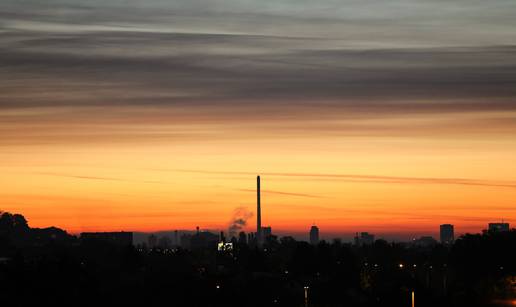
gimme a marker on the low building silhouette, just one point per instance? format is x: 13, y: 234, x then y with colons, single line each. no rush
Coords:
x: 118, y: 238
x: 203, y: 240
x: 266, y: 231
x: 242, y: 238
x: 498, y: 227
x: 425, y: 242
x: 152, y: 241
x: 185, y: 240
x: 164, y: 242
x: 364, y: 238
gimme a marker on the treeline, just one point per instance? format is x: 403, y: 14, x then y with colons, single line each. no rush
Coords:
x: 15, y: 233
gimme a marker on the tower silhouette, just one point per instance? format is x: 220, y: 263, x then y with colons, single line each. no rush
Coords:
x: 259, y: 237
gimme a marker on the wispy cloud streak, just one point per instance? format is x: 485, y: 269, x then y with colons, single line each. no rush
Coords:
x: 282, y: 193
x: 374, y: 178
x: 93, y: 177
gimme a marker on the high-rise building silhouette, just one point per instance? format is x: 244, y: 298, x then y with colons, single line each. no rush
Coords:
x: 259, y: 237
x: 314, y: 235
x: 447, y: 234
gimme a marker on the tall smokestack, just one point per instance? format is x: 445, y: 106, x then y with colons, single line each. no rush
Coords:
x: 258, y: 213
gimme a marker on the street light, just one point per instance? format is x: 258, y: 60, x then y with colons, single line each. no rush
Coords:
x: 306, y: 295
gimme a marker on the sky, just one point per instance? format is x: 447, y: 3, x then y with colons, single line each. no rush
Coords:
x: 384, y: 116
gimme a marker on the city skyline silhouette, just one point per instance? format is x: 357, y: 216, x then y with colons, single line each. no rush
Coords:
x: 242, y: 221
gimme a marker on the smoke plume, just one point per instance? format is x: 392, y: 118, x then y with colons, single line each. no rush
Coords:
x: 239, y: 220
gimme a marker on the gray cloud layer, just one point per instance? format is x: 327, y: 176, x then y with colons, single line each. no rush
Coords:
x: 276, y: 58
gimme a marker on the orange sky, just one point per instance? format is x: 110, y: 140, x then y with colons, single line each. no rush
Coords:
x: 96, y: 178
x: 359, y: 116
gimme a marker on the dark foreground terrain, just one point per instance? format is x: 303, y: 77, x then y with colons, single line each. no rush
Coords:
x: 48, y: 267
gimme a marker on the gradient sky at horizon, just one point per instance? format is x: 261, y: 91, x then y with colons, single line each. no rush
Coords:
x: 383, y: 116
